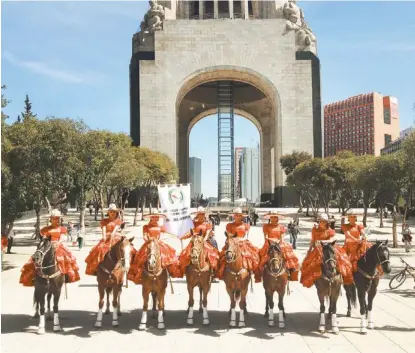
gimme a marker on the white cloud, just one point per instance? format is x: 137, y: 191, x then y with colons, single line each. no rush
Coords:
x: 46, y: 69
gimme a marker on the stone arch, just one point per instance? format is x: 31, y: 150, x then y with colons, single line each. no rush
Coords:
x: 265, y: 114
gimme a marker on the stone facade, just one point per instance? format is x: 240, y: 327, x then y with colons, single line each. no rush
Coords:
x: 260, y: 53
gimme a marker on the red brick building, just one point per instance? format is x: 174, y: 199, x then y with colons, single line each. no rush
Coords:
x: 363, y: 124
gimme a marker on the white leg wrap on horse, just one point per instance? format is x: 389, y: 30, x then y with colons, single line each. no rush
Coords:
x: 322, y: 326
x: 241, y: 318
x: 98, y: 323
x: 41, y: 328
x: 233, y: 318
x: 205, y: 316
x: 114, y: 316
x: 271, y: 317
x: 160, y: 320
x: 55, y: 319
x: 370, y: 322
x: 363, y: 324
x: 334, y: 327
x: 281, y: 323
x: 143, y: 322
x: 190, y: 316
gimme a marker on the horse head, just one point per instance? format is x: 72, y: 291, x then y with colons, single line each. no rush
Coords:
x: 382, y: 255
x: 44, y: 256
x: 197, y: 248
x: 276, y: 257
x: 154, y: 256
x: 233, y: 251
x: 329, y: 260
x: 121, y: 251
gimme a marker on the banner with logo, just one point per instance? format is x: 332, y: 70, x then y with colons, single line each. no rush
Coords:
x: 175, y: 204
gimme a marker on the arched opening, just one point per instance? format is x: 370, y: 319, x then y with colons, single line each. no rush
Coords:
x: 255, y: 99
x: 203, y: 158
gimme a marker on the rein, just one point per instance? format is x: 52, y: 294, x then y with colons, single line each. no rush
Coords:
x: 375, y: 274
x: 38, y: 260
x: 197, y: 263
x: 117, y: 265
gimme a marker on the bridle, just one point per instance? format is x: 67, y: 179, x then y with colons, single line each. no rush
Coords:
x: 38, y: 258
x: 195, y: 256
x: 376, y: 273
x: 118, y: 264
x: 325, y: 263
x: 231, y: 257
x: 152, y: 271
x: 280, y: 261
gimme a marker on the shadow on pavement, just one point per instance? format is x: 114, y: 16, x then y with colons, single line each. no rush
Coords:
x: 81, y: 324
x: 406, y: 293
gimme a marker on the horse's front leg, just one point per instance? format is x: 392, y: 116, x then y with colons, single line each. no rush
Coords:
x: 115, y: 296
x: 160, y: 299
x: 154, y: 309
x: 266, y: 304
x: 108, y: 290
x: 333, y: 308
x: 321, y: 296
x: 190, y: 289
x: 49, y: 315
x: 56, y: 296
x: 370, y: 296
x: 200, y: 298
x: 348, y: 289
x: 242, y: 304
x: 40, y: 298
x: 281, y: 310
x: 146, y: 298
x: 119, y: 302
x: 231, y: 294
x: 361, y: 294
x: 270, y: 306
x: 206, y: 287
x: 101, y: 291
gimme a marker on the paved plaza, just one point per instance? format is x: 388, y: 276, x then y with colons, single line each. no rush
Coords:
x: 394, y: 311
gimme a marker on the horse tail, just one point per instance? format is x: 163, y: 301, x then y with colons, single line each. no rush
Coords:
x: 352, y: 292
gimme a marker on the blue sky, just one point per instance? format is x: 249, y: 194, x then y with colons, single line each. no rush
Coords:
x: 72, y: 59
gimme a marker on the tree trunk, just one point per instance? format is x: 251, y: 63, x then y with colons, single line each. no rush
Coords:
x: 382, y: 206
x: 365, y: 214
x: 101, y: 201
x: 82, y: 209
x: 143, y: 203
x: 394, y: 231
x: 301, y: 203
x: 136, y: 211
x: 37, y: 210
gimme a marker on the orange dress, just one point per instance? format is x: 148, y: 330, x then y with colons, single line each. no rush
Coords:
x: 98, y: 252
x: 311, y: 267
x: 250, y: 253
x: 64, y: 258
x: 291, y: 261
x: 4, y: 242
x: 168, y: 256
x: 212, y: 253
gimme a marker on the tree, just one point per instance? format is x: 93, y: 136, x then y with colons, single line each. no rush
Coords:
x: 27, y: 113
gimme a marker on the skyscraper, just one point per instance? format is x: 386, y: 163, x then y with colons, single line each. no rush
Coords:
x: 195, y: 176
x: 249, y: 173
x: 238, y: 157
x: 363, y: 124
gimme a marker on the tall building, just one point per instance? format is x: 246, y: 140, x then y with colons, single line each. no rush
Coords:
x: 363, y: 124
x: 238, y: 156
x: 195, y: 176
x: 396, y: 145
x: 250, y: 175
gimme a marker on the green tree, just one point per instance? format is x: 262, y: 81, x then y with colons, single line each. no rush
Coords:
x: 27, y: 113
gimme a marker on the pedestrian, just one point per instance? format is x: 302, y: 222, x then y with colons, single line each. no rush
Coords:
x: 70, y: 230
x: 406, y: 237
x: 80, y: 238
x: 10, y: 238
x: 91, y: 209
x: 332, y: 222
x: 255, y: 218
x: 289, y: 231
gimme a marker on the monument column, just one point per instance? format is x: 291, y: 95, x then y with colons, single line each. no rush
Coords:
x: 215, y: 9
x: 245, y: 10
x: 231, y: 9
x: 201, y: 9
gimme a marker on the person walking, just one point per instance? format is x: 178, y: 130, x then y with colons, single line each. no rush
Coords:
x: 406, y: 237
x: 70, y: 230
x: 80, y: 238
x: 10, y: 238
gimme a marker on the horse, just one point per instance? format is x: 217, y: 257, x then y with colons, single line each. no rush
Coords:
x: 49, y: 280
x: 236, y: 279
x: 366, y: 280
x: 198, y: 273
x: 155, y: 282
x: 275, y: 279
x: 329, y: 286
x: 110, y: 277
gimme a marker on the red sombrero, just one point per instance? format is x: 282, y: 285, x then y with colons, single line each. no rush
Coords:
x: 273, y: 214
x: 149, y: 215
x: 238, y: 211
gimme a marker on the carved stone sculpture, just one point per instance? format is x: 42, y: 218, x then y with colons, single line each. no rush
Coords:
x: 153, y: 19
x: 296, y: 22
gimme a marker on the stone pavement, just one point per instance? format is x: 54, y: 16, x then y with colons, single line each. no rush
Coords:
x: 394, y: 311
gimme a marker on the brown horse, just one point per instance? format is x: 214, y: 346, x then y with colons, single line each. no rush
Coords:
x: 275, y: 279
x: 198, y: 273
x: 154, y: 282
x: 110, y: 277
x: 236, y: 279
x: 328, y: 286
x: 49, y: 280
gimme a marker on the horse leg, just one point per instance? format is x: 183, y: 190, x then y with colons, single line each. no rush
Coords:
x: 49, y: 315
x: 190, y: 289
x: 108, y: 290
x: 333, y: 310
x: 242, y: 306
x: 56, y: 296
x: 362, y: 301
x: 348, y: 296
x: 266, y: 304
x: 371, y: 295
x: 200, y: 299
x: 231, y: 294
x: 146, y: 297
x: 205, y: 292
x: 115, y: 296
x: 154, y: 309
x: 160, y: 298
x: 281, y: 311
x: 270, y: 306
x: 101, y: 291
x: 322, y: 325
x: 119, y: 302
x: 40, y: 298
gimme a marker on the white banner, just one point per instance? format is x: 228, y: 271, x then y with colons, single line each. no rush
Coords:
x: 175, y: 204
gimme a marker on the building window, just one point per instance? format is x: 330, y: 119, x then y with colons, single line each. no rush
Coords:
x: 237, y: 9
x: 388, y: 139
x: 250, y: 9
x: 209, y: 9
x: 194, y: 9
x: 387, y: 116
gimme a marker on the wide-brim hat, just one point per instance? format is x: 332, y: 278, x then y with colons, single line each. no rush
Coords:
x: 200, y: 210
x: 113, y: 207
x: 149, y: 215
x: 55, y: 214
x: 352, y: 214
x: 238, y: 211
x: 324, y: 217
x: 273, y: 214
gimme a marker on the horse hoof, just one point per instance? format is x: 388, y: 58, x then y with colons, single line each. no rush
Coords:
x: 98, y: 324
x: 371, y: 325
x: 107, y: 312
x: 41, y: 331
x: 190, y: 321
x: 322, y: 329
x: 160, y: 326
x: 57, y: 328
x: 114, y: 323
x: 349, y: 314
x: 270, y: 323
x: 206, y: 322
x: 335, y: 330
x: 232, y: 324
x: 142, y: 327
x: 281, y: 325
x: 200, y: 310
x: 241, y: 324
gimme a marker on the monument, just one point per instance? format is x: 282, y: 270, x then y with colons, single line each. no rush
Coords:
x: 256, y: 59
